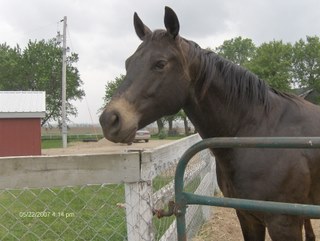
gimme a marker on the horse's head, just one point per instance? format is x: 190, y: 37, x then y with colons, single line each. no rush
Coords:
x: 156, y: 82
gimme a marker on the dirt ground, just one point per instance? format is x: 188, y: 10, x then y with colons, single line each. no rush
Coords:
x: 224, y: 226
x: 103, y: 146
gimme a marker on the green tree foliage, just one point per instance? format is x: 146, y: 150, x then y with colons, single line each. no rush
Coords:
x: 38, y: 68
x: 10, y: 60
x: 273, y: 63
x: 270, y: 61
x: 306, y: 62
x: 238, y: 50
x: 111, y: 87
x: 282, y: 65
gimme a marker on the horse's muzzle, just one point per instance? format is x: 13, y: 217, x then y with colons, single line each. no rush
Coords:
x: 119, y: 122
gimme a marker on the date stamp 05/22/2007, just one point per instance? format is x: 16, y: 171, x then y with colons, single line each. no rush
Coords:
x: 47, y: 214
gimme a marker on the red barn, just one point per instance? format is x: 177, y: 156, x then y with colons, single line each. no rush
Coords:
x: 20, y: 122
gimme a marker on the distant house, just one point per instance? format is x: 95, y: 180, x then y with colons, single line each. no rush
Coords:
x: 20, y: 122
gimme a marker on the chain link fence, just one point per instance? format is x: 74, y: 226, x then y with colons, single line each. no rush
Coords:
x: 120, y: 211
x: 88, y: 212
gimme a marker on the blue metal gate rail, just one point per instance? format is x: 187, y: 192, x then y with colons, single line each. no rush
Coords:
x: 182, y: 199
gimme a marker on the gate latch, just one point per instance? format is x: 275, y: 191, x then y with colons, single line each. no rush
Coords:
x: 172, y: 210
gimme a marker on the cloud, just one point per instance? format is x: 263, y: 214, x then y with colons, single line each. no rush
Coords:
x: 281, y: 20
x: 102, y: 32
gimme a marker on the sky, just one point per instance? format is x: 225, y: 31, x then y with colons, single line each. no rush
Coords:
x: 102, y: 33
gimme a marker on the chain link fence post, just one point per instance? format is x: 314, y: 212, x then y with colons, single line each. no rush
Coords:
x: 139, y: 211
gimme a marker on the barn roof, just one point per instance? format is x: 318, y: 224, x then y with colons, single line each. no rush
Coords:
x: 22, y: 104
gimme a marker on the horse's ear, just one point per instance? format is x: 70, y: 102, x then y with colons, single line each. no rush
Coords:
x: 141, y: 29
x: 171, y: 22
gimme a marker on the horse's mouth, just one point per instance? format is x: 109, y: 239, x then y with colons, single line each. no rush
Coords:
x: 126, y: 137
x: 130, y: 137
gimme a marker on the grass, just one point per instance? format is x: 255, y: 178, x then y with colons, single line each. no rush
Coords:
x: 46, y: 144
x: 70, y: 213
x: 55, y: 141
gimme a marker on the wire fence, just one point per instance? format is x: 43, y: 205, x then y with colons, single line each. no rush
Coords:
x: 88, y: 212
x: 120, y: 209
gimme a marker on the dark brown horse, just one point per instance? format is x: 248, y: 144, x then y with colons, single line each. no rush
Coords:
x: 168, y: 72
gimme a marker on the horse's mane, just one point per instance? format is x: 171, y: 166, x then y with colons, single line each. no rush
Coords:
x: 240, y: 85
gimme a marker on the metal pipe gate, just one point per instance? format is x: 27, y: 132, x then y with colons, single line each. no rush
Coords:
x: 182, y: 199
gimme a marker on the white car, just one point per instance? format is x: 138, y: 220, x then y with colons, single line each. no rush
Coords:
x: 142, y: 135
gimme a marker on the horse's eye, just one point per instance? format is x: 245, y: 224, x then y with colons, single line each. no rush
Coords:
x: 159, y: 65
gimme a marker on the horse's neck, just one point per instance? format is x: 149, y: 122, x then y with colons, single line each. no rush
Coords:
x: 213, y: 117
x: 210, y: 108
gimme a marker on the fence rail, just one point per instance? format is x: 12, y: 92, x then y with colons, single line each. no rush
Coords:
x: 98, y: 197
x: 59, y: 171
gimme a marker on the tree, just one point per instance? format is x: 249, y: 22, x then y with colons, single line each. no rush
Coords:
x: 182, y: 115
x: 237, y: 50
x: 38, y: 68
x: 111, y: 87
x: 170, y: 119
x: 10, y: 60
x: 273, y: 63
x: 306, y: 63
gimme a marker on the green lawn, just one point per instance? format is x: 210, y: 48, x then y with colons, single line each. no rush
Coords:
x: 56, y: 141
x: 46, y: 144
x: 71, y: 213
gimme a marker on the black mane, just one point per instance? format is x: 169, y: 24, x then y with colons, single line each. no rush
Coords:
x: 240, y: 85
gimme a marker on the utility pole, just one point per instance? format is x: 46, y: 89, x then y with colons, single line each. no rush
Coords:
x: 64, y: 83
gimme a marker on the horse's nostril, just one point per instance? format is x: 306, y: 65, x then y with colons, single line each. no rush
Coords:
x: 110, y: 122
x: 114, y: 121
